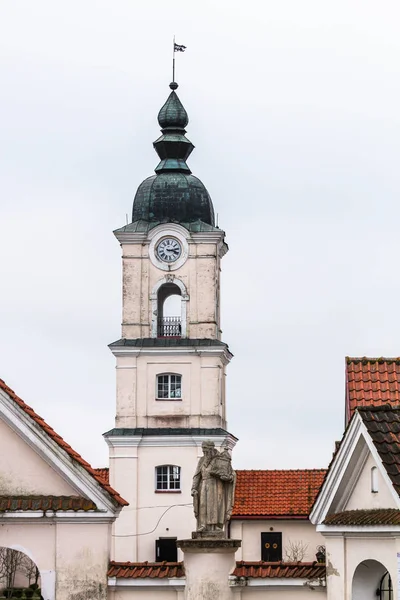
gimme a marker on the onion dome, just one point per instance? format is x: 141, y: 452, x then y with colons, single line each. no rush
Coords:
x: 173, y: 193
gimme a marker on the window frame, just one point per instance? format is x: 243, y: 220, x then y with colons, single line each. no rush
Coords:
x: 374, y: 480
x: 387, y: 591
x: 169, y: 397
x: 169, y: 479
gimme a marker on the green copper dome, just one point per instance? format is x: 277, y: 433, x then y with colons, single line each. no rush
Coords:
x: 173, y: 193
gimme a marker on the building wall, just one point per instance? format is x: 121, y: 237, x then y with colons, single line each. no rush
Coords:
x: 72, y: 557
x: 344, y: 555
x: 151, y: 514
x: 281, y: 593
x: 136, y: 593
x: 199, y: 274
x: 249, y: 532
x: 203, y: 390
x: 16, y: 478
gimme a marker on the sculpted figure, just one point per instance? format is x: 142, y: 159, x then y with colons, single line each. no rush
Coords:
x: 213, y: 488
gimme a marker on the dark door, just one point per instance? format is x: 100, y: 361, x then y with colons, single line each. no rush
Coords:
x: 271, y: 547
x: 166, y: 550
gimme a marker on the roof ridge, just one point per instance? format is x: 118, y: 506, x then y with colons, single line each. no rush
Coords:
x: 281, y: 470
x: 374, y: 359
x: 381, y: 407
x: 61, y: 443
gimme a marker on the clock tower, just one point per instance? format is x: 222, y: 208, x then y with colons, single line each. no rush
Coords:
x: 171, y: 361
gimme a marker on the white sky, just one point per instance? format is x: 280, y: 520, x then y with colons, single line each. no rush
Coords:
x: 294, y: 112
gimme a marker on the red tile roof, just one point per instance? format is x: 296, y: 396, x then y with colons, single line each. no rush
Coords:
x: 371, y: 382
x: 62, y: 443
x: 276, y: 494
x: 306, y: 570
x: 54, y: 503
x: 377, y: 516
x: 140, y: 570
x: 104, y: 473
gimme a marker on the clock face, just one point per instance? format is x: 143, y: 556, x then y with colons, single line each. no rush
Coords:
x: 169, y: 250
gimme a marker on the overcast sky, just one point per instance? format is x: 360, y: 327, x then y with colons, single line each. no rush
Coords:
x: 294, y: 112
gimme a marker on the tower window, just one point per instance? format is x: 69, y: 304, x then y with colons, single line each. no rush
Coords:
x: 169, y: 387
x: 168, y: 478
x: 374, y: 480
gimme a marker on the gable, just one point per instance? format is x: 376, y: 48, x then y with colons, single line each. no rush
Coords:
x: 23, y: 472
x: 66, y: 466
x: 362, y: 497
x: 347, y: 486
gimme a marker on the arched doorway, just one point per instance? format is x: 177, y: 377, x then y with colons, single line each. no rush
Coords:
x: 371, y: 580
x: 19, y: 575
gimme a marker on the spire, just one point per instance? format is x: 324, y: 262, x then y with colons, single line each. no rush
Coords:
x: 173, y: 147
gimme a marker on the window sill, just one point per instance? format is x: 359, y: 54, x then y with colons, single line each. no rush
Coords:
x: 168, y: 491
x: 168, y: 399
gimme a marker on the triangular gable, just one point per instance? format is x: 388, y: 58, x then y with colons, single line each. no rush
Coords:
x: 71, y: 471
x: 348, y: 470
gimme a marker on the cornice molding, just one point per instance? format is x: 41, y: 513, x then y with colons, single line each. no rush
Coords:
x: 167, y: 441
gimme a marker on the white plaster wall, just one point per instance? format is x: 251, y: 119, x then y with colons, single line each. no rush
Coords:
x: 344, y: 555
x: 82, y: 554
x: 282, y: 593
x: 249, y: 532
x: 70, y: 557
x: 23, y: 471
x: 147, y: 512
x: 362, y: 497
x: 203, y: 391
x: 144, y: 594
x: 380, y: 549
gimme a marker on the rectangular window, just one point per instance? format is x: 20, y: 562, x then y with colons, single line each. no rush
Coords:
x: 271, y: 547
x: 168, y: 478
x: 169, y: 387
x: 166, y: 550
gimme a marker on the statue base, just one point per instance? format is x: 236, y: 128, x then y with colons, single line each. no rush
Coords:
x: 209, y: 560
x: 208, y: 535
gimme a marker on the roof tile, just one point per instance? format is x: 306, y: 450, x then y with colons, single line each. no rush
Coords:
x: 141, y: 570
x: 371, y: 382
x: 379, y: 516
x: 306, y: 570
x: 276, y: 494
x: 53, y: 503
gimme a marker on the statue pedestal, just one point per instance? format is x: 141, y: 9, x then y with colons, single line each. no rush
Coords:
x: 209, y: 560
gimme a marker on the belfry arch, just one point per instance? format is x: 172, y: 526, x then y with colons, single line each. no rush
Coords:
x: 162, y: 324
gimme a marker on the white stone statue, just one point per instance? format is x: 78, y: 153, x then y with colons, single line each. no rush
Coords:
x: 213, y: 489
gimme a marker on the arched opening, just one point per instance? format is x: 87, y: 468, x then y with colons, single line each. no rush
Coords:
x: 374, y: 480
x: 371, y: 581
x: 169, y: 320
x: 19, y: 575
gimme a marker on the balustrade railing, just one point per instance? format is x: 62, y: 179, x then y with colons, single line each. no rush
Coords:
x: 169, y: 327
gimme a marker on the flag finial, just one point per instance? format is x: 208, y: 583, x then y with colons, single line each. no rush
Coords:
x: 176, y: 48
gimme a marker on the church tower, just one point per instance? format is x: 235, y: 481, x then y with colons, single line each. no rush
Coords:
x: 171, y: 361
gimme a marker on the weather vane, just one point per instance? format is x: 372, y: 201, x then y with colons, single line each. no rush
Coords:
x: 176, y: 48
